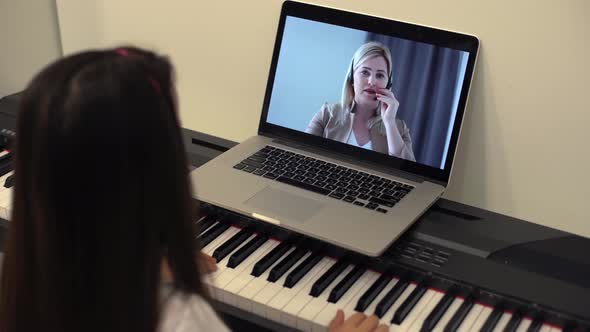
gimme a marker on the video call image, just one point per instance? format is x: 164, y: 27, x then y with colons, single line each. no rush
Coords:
x: 377, y: 92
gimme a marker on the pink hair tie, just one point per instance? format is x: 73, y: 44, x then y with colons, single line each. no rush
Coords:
x: 153, y: 82
x: 122, y: 52
x: 155, y: 85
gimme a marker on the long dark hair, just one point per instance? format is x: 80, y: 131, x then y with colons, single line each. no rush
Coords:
x: 102, y: 195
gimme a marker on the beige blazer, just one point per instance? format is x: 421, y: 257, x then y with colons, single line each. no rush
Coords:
x: 325, y: 123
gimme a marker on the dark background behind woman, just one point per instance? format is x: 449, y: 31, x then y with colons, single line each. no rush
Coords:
x: 425, y: 80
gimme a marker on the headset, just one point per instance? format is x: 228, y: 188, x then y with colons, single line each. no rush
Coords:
x: 350, y: 76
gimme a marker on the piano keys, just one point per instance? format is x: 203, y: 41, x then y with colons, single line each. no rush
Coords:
x: 300, y: 283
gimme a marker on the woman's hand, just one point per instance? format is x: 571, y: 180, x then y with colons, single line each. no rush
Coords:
x: 389, y: 105
x: 356, y: 323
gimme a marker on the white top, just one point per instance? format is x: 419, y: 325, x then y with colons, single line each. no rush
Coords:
x: 184, y: 313
x: 352, y: 141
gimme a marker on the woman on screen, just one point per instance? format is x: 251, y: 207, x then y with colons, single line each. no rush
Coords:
x: 366, y: 115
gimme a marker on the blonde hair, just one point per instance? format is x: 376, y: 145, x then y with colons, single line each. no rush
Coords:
x: 363, y: 53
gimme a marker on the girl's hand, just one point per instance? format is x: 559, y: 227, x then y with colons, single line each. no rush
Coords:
x: 207, y: 261
x: 356, y: 323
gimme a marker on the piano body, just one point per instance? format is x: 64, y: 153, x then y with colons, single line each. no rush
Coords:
x: 458, y: 268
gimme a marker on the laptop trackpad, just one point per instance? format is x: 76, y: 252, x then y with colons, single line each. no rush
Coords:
x: 279, y: 204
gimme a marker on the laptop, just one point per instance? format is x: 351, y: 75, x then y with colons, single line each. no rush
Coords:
x: 358, y: 131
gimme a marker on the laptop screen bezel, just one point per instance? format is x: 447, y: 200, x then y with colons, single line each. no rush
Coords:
x: 438, y: 37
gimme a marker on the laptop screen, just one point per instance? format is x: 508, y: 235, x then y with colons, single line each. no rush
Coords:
x: 397, y: 94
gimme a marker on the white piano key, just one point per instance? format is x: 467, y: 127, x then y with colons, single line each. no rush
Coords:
x: 307, y: 314
x: 481, y: 318
x: 212, y: 278
x: 247, y: 294
x: 416, y: 311
x: 444, y: 320
x: 524, y: 324
x: 388, y: 316
x: 285, y: 295
x: 302, y: 298
x: 421, y: 317
x: 3, y: 180
x: 259, y: 302
x: 233, y: 289
x: 545, y: 328
x: 222, y: 265
x: 219, y: 240
x: 208, y: 249
x: 324, y: 317
x: 231, y: 281
x: 349, y: 310
x: 502, y: 322
x: 208, y: 228
x: 552, y: 328
x: 6, y: 203
x: 470, y: 318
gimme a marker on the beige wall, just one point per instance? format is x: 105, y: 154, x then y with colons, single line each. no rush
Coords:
x: 523, y: 150
x: 29, y: 38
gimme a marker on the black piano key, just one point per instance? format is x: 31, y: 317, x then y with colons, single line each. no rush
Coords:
x: 228, y: 246
x: 270, y: 258
x: 324, y: 281
x: 493, y: 319
x: 239, y: 256
x: 513, y: 322
x: 536, y: 324
x: 283, y: 266
x: 460, y: 315
x: 205, y: 223
x: 5, y: 158
x: 390, y: 298
x: 344, y: 285
x: 371, y: 293
x: 5, y: 168
x: 9, y: 183
x: 435, y: 315
x: 301, y: 270
x: 212, y: 234
x: 409, y: 304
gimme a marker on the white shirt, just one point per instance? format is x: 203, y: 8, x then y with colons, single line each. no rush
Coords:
x: 184, y: 313
x: 352, y: 141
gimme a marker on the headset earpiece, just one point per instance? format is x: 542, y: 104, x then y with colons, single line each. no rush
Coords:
x: 389, y: 81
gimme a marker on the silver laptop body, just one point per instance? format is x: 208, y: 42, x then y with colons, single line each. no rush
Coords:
x: 267, y: 177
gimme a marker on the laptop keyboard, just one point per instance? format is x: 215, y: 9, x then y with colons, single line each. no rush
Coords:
x: 338, y: 182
